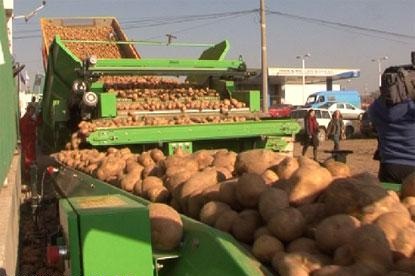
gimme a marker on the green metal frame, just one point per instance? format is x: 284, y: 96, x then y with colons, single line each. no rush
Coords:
x: 64, y: 68
x: 180, y: 133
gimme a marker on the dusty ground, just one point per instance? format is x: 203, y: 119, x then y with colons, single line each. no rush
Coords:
x: 359, y: 161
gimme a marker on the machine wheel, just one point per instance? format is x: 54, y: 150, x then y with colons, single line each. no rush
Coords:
x: 321, y: 134
x: 349, y: 132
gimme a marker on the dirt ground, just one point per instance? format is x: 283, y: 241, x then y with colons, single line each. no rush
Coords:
x: 359, y: 161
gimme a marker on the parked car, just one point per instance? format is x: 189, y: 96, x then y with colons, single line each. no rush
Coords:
x: 347, y: 110
x: 366, y: 127
x: 323, y: 117
x: 280, y: 110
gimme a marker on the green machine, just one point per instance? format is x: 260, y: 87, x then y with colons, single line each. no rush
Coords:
x: 74, y: 81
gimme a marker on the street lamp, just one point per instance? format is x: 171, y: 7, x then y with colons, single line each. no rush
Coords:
x: 379, y: 61
x: 303, y: 58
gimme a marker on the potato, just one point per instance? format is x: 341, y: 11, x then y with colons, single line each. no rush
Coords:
x: 166, y: 226
x: 307, y: 183
x: 154, y: 190
x: 359, y: 196
x: 313, y: 212
x: 411, y: 211
x: 295, y: 264
x: 249, y: 188
x: 195, y: 186
x: 343, y: 255
x: 287, y: 167
x: 263, y: 230
x: 174, y: 182
x: 256, y: 161
x: 158, y: 194
x: 265, y: 247
x: 270, y: 201
x: 133, y: 175
x: 335, y: 231
x: 151, y: 182
x: 245, y: 224
x: 146, y: 160
x: 408, y: 201
x: 175, y: 165
x: 225, y: 159
x: 225, y: 220
x: 175, y: 204
x: 269, y: 177
x: 352, y: 270
x: 408, y: 186
x: 337, y: 169
x: 157, y: 155
x: 303, y: 245
x: 223, y: 173
x: 398, y: 273
x: 370, y: 247
x: 110, y: 168
x: 203, y: 158
x: 307, y: 162
x: 224, y: 191
x: 400, y: 233
x: 406, y: 265
x: 138, y: 188
x: 287, y: 224
x: 211, y: 211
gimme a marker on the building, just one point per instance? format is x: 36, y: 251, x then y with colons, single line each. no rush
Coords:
x: 286, y: 84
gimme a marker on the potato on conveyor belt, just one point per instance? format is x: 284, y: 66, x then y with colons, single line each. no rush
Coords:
x: 166, y: 226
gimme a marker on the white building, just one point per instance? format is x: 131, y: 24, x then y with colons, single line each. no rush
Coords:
x: 286, y: 84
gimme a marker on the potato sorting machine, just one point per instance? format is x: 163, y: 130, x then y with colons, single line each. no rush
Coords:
x: 100, y: 92
x: 97, y: 77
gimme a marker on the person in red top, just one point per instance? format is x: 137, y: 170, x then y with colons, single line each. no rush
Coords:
x: 311, y: 133
x: 28, y: 126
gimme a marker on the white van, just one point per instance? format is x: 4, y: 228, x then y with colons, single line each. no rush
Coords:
x: 323, y: 117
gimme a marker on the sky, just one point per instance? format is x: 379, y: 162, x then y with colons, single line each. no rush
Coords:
x: 330, y: 46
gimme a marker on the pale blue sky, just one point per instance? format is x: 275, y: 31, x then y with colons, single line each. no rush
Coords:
x: 329, y: 46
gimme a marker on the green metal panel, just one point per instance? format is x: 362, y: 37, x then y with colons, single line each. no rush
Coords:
x: 216, y: 52
x: 392, y: 186
x: 115, y: 236
x: 180, y: 133
x: 251, y: 98
x: 172, y: 64
x: 69, y: 223
x: 8, y: 103
x: 185, y: 146
x: 108, y: 105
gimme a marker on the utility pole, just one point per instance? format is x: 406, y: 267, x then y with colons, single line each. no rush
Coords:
x: 264, y: 64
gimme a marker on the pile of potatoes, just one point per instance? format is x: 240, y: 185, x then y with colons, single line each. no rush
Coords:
x: 182, y: 104
x: 297, y: 216
x: 137, y: 121
x: 150, y: 93
x: 84, y: 50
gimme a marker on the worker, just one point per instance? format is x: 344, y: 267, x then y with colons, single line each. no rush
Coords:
x: 335, y: 129
x: 395, y: 125
x: 311, y: 133
x: 28, y: 126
